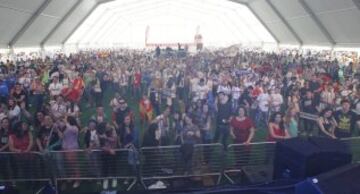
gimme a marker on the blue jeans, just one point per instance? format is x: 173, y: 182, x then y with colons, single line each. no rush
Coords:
x: 38, y: 101
x: 223, y: 131
x: 261, y: 117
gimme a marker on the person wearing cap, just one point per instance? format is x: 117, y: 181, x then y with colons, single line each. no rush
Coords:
x: 346, y: 120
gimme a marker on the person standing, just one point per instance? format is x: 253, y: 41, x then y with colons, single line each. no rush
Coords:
x: 4, y: 147
x: 21, y: 142
x: 327, y: 124
x: 309, y: 106
x: 163, y: 122
x: 69, y: 143
x: 291, y: 122
x: 223, y: 119
x: 263, y: 112
x: 277, y: 128
x: 38, y: 91
x: 242, y: 128
x: 109, y: 158
x: 346, y: 120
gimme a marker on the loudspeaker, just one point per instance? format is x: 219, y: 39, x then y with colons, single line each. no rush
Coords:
x: 300, y: 158
x: 344, y: 180
x: 8, y: 190
x: 257, y: 174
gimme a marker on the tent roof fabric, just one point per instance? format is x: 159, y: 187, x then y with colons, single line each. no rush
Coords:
x: 35, y: 23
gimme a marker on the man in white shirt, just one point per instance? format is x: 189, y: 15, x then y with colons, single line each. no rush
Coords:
x: 201, y: 91
x: 263, y: 112
x: 235, y: 95
x: 276, y: 100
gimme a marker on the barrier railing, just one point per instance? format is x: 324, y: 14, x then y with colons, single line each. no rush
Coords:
x: 354, y: 145
x: 156, y: 163
x: 242, y: 158
x: 170, y: 162
x: 22, y: 167
x: 94, y: 165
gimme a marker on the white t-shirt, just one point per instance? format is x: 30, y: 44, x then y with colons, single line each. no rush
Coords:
x: 277, y: 100
x: 94, y: 139
x: 163, y: 124
x: 235, y: 92
x: 74, y: 112
x: 14, y: 112
x: 201, y: 92
x: 114, y: 103
x: 55, y: 89
x: 194, y: 82
x: 263, y: 100
x: 58, y: 110
x: 123, y: 79
x: 225, y: 89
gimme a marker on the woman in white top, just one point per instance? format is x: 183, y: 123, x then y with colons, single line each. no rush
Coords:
x: 276, y: 100
x: 55, y: 87
x: 58, y: 108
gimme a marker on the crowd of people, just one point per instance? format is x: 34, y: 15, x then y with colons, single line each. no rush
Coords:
x: 199, y: 98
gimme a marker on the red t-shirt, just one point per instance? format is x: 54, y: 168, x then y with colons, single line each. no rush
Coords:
x: 137, y: 79
x: 21, y: 143
x: 241, y: 129
x: 256, y: 92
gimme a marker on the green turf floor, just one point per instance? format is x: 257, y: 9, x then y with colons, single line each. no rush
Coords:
x: 87, y: 112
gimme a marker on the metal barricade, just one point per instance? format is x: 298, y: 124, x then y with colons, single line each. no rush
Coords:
x: 354, y: 146
x: 242, y: 158
x: 94, y: 165
x: 24, y: 167
x: 308, y: 122
x: 172, y: 162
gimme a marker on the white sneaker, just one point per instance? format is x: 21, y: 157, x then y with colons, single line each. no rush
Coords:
x: 114, y: 183
x: 157, y: 185
x: 106, y: 184
x: 76, y: 184
x: 161, y: 185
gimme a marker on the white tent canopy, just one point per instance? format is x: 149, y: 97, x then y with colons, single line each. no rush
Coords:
x: 125, y: 22
x: 36, y: 23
